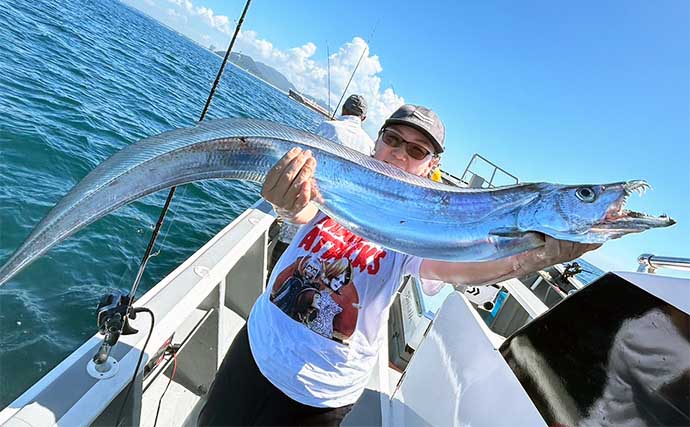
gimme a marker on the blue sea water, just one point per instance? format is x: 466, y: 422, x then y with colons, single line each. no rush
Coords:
x: 80, y: 80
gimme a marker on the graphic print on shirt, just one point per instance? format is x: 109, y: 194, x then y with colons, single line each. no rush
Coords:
x: 318, y: 288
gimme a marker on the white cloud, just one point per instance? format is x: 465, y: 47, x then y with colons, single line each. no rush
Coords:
x: 185, y: 4
x: 311, y: 77
x: 219, y: 22
x: 308, y: 75
x: 206, y: 14
x: 176, y: 15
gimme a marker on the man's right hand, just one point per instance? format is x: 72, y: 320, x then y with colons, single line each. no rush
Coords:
x: 289, y: 186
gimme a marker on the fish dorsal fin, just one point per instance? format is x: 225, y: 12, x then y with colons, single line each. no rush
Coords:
x: 511, y: 200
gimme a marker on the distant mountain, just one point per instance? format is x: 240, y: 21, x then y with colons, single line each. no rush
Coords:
x: 274, y: 76
x: 260, y: 70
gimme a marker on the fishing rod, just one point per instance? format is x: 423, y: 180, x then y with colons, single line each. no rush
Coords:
x: 349, y: 81
x: 366, y: 48
x: 171, y: 194
x: 328, y: 57
x: 115, y: 308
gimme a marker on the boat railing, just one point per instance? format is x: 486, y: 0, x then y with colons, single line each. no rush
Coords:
x: 474, y: 179
x: 198, y: 307
x: 650, y: 263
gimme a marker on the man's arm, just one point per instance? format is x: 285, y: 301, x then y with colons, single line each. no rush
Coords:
x: 489, y: 272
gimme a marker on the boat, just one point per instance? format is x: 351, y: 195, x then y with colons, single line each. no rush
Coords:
x: 307, y: 102
x: 528, y: 351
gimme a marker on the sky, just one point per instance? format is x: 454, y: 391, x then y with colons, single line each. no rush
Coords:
x: 564, y: 92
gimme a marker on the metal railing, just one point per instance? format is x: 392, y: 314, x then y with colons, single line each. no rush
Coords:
x: 207, y: 295
x: 650, y: 263
x: 474, y: 180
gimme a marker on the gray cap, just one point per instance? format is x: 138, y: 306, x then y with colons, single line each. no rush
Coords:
x: 355, y: 105
x: 422, y: 119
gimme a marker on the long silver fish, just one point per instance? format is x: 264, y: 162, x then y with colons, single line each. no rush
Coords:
x: 374, y: 200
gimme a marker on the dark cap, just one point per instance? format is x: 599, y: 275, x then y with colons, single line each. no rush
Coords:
x: 422, y: 119
x: 355, y: 105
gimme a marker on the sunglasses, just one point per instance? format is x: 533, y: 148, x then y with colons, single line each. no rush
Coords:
x: 395, y: 140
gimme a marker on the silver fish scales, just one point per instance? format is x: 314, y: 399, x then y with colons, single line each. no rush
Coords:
x: 374, y: 200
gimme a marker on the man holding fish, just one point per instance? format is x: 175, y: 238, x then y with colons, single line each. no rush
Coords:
x: 291, y: 375
x: 381, y: 216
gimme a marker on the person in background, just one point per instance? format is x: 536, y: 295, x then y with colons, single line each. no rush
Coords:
x: 348, y: 130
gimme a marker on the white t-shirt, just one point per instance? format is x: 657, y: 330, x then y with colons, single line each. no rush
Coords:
x: 327, y: 274
x: 348, y: 132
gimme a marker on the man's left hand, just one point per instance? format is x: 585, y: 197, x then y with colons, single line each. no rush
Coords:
x: 553, y: 252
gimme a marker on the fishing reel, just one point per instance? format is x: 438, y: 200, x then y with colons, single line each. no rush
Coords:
x: 572, y: 269
x: 112, y: 317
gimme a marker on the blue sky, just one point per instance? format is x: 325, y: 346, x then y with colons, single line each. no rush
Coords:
x: 567, y: 92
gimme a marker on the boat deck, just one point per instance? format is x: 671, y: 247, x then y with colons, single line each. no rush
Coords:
x: 437, y: 368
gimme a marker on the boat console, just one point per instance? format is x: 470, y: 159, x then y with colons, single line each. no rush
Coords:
x: 616, y: 352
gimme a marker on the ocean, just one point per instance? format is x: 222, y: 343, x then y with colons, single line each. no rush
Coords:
x: 80, y: 80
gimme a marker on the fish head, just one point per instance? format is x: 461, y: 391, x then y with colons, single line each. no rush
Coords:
x: 588, y: 213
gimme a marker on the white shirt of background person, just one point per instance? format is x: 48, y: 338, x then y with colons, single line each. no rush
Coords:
x: 348, y: 130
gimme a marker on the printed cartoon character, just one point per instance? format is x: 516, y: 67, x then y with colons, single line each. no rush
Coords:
x: 285, y: 296
x: 319, y: 295
x: 293, y: 295
x: 306, y: 306
x: 337, y: 274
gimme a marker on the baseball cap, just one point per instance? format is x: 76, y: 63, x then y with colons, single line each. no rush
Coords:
x: 355, y: 104
x: 424, y: 120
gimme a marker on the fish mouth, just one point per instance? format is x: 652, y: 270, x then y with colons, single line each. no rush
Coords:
x: 619, y: 219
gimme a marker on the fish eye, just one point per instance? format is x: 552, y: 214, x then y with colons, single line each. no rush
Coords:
x: 586, y: 194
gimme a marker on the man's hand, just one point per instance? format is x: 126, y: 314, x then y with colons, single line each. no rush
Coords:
x: 553, y: 252
x: 289, y: 186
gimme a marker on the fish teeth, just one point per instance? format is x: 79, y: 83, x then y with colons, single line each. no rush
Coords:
x: 639, y: 187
